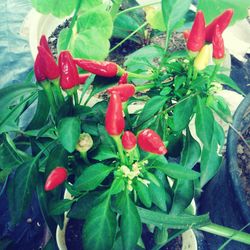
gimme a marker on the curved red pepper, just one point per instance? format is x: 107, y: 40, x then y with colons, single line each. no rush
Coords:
x: 55, y: 178
x: 40, y: 76
x: 222, y: 20
x: 218, y: 44
x: 68, y: 72
x: 44, y: 43
x: 196, y: 37
x: 83, y: 78
x: 48, y: 65
x: 125, y: 91
x: 151, y: 142
x: 106, y: 69
x: 114, y: 121
x: 128, y: 140
x: 123, y: 79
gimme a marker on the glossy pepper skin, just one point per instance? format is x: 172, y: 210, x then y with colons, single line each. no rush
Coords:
x: 196, y: 37
x: 114, y: 120
x: 222, y: 20
x: 106, y: 69
x: 202, y: 59
x: 44, y: 43
x: 125, y: 91
x: 48, y: 65
x: 68, y: 72
x: 83, y: 78
x: 150, y: 141
x: 128, y: 140
x: 123, y: 79
x: 55, y: 178
x: 218, y: 44
x: 40, y: 76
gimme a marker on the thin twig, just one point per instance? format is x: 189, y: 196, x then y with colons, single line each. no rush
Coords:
x: 240, y: 135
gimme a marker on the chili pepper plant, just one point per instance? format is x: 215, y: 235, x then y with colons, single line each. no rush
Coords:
x: 128, y: 161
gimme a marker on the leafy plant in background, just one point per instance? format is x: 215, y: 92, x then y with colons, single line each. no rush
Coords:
x: 118, y: 170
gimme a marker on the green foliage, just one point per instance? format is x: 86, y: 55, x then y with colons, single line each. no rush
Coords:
x: 208, y: 7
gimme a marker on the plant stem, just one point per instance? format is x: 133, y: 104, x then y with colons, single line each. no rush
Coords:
x: 84, y: 157
x: 144, y: 87
x: 73, y: 23
x: 118, y: 142
x: 227, y: 232
x: 139, y: 76
x: 58, y: 92
x: 137, y: 7
x: 239, y: 134
x: 76, y: 98
x: 47, y: 88
x: 126, y: 38
x: 216, y: 68
x: 115, y: 8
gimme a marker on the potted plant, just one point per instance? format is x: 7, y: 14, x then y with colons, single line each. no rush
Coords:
x: 116, y: 162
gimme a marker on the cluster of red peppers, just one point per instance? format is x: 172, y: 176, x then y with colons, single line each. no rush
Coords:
x: 201, y: 34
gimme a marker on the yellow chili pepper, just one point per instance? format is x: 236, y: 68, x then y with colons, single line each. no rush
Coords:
x: 202, y: 60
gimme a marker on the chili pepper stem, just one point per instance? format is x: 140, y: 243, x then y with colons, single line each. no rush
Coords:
x: 85, y: 157
x: 227, y: 232
x: 145, y: 87
x: 47, y: 88
x: 58, y: 92
x: 118, y: 142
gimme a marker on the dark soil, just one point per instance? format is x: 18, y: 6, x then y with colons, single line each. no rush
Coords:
x: 243, y: 153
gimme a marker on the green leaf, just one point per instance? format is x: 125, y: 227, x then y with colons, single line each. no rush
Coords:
x: 118, y: 185
x: 69, y: 130
x: 182, y: 113
x: 174, y: 170
x: 173, y: 11
x: 143, y: 194
x: 210, y: 162
x: 151, y: 108
x: 226, y: 80
x: 92, y: 177
x: 88, y: 44
x: 191, y: 152
x: 183, y: 195
x: 21, y: 188
x: 219, y: 134
x: 100, y: 227
x: 204, y: 123
x: 218, y: 104
x: 55, y: 7
x: 130, y: 223
x: 179, y: 81
x: 89, y: 4
x: 99, y: 20
x: 180, y: 221
x: 208, y: 7
x: 61, y: 206
x: 104, y: 153
x: 155, y: 18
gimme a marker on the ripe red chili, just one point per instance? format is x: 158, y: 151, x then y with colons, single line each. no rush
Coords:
x: 151, y: 142
x: 68, y: 72
x: 83, y: 78
x: 124, y: 78
x: 40, y: 76
x: 44, y: 43
x: 106, y: 69
x: 125, y: 91
x: 218, y: 44
x: 128, y: 140
x: 55, y: 178
x: 222, y: 20
x: 47, y: 64
x: 196, y: 37
x: 114, y: 120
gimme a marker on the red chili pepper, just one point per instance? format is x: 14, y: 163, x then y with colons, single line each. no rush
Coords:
x: 123, y: 79
x: 218, y: 44
x: 48, y: 65
x: 83, y: 78
x: 106, y: 69
x: 68, y: 72
x: 55, y: 178
x: 128, y: 140
x: 44, y: 43
x: 196, y: 37
x: 40, y: 76
x: 151, y: 142
x: 125, y: 91
x: 114, y: 121
x: 186, y: 34
x: 222, y: 20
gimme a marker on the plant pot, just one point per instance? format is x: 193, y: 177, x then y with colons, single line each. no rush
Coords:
x: 224, y: 197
